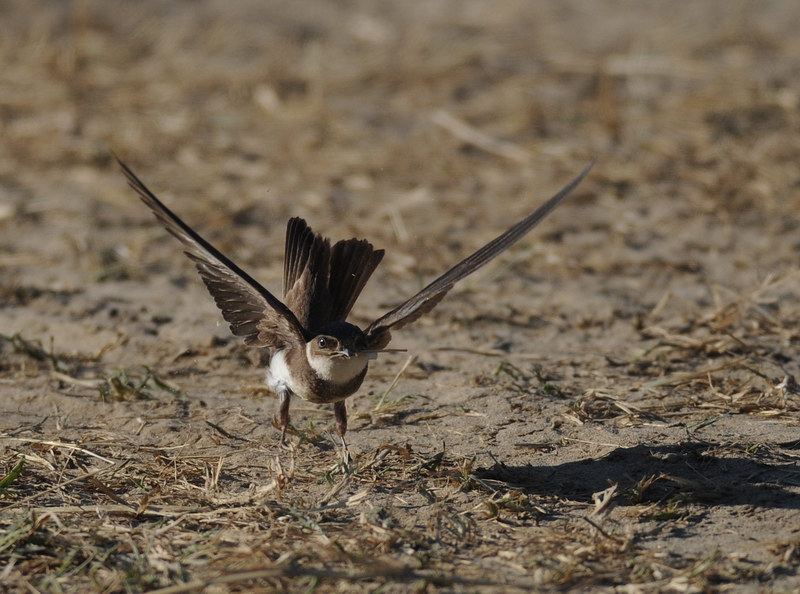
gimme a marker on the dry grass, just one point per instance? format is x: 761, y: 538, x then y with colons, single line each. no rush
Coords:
x: 137, y: 517
x: 108, y: 512
x: 612, y: 407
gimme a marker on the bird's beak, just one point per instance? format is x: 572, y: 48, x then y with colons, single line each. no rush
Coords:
x: 346, y: 353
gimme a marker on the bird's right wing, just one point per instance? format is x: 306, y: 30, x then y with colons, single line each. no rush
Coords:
x: 253, y: 313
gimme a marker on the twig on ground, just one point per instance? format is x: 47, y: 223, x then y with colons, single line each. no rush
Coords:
x: 471, y: 135
x: 409, y: 361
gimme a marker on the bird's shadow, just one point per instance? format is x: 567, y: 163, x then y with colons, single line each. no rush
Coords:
x: 704, y: 472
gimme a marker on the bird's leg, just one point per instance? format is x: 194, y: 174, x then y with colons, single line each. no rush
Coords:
x: 340, y: 412
x: 283, y: 416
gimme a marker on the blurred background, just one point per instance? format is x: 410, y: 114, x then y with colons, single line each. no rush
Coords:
x: 410, y: 123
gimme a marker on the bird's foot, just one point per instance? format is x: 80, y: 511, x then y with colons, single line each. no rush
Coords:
x: 347, y: 463
x: 347, y: 459
x: 284, y: 443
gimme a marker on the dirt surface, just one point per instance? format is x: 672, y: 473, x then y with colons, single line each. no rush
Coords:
x: 642, y: 342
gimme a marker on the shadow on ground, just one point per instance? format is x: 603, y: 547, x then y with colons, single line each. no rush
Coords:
x: 703, y: 472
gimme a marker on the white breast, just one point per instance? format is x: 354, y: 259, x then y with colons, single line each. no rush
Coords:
x: 279, y: 377
x: 337, y: 370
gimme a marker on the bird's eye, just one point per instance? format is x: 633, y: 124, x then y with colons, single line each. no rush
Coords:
x: 322, y: 342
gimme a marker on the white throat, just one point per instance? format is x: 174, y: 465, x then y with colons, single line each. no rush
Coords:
x: 338, y: 370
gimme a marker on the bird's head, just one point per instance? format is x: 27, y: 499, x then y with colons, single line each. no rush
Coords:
x: 338, y: 340
x: 338, y: 353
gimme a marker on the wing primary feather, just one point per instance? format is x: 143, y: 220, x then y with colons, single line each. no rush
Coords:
x: 251, y: 310
x: 178, y: 228
x: 433, y: 293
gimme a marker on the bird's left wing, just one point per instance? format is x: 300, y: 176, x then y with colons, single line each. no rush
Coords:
x: 378, y: 333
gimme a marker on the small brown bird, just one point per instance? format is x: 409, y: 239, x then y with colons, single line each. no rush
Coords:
x: 315, y: 353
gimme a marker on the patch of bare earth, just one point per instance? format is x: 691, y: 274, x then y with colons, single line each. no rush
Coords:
x: 612, y: 406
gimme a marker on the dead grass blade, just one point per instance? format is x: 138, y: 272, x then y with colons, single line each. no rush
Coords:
x: 682, y: 378
x: 58, y: 444
x: 473, y: 136
x: 24, y: 502
x: 396, y: 379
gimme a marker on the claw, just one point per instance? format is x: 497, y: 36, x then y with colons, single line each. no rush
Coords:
x: 284, y: 444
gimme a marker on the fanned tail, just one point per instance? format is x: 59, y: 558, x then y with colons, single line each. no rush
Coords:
x: 352, y: 263
x: 305, y: 274
x: 321, y: 283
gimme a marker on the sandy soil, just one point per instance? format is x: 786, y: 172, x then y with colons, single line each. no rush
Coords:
x: 642, y: 342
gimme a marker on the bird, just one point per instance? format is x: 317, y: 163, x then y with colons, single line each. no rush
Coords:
x: 315, y: 353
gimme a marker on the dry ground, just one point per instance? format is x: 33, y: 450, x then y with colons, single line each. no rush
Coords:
x: 612, y: 406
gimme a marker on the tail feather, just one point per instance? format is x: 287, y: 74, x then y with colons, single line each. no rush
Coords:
x: 305, y: 274
x: 352, y: 263
x: 321, y: 283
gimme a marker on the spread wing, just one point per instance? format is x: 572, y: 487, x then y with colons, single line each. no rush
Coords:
x: 378, y: 333
x: 321, y: 283
x: 252, y: 312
